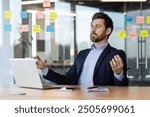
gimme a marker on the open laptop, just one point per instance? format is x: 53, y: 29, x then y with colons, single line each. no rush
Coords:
x: 26, y: 73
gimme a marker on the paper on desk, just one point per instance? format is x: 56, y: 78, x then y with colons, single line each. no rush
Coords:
x: 99, y: 89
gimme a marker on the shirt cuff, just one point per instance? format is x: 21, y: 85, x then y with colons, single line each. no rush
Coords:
x: 45, y: 71
x: 119, y: 76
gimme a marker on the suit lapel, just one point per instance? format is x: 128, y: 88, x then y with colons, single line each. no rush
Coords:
x: 101, y: 57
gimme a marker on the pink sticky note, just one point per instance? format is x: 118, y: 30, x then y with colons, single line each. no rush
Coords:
x: 40, y: 15
x: 24, y: 28
x: 140, y: 19
x: 133, y: 34
x: 46, y: 3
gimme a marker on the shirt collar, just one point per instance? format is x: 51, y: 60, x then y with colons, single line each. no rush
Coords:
x: 101, y: 47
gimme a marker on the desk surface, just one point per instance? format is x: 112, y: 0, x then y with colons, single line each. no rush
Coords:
x: 116, y: 93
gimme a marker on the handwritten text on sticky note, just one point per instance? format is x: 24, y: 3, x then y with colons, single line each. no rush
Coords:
x: 24, y: 28
x: 128, y: 19
x: 132, y: 34
x: 144, y: 33
x: 23, y: 14
x: 7, y: 27
x: 36, y: 28
x: 122, y: 34
x: 53, y: 15
x: 148, y: 19
x: 50, y: 28
x: 46, y: 3
x: 7, y: 14
x: 140, y: 19
x: 40, y: 15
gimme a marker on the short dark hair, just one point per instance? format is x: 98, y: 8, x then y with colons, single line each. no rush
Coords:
x: 107, y: 19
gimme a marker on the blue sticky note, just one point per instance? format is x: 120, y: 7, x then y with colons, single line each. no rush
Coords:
x: 128, y: 19
x: 7, y: 27
x: 24, y: 14
x: 50, y: 28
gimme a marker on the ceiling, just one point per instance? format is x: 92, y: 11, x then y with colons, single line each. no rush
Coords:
x: 110, y: 6
x: 113, y: 6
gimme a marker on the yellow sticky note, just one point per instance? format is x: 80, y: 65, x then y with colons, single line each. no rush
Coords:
x: 148, y: 19
x: 144, y: 33
x: 7, y: 14
x: 53, y: 15
x: 132, y: 34
x: 122, y: 34
x: 36, y: 28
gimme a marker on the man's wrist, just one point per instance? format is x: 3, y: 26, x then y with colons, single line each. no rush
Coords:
x: 45, y: 71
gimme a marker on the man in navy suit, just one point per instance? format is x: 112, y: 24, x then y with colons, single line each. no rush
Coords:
x: 99, y: 65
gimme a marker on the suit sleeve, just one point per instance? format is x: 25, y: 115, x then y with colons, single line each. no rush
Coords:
x: 62, y: 79
x: 124, y: 81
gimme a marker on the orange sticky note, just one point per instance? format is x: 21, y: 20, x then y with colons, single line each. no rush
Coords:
x: 24, y: 28
x: 7, y: 14
x: 148, y: 19
x: 140, y: 19
x: 132, y: 34
x: 122, y: 34
x: 144, y: 33
x: 36, y: 28
x: 53, y: 15
x: 46, y: 3
x: 40, y: 15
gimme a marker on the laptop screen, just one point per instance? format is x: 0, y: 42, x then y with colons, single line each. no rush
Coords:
x: 25, y: 72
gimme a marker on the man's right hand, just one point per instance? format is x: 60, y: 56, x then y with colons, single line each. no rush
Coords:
x: 40, y: 64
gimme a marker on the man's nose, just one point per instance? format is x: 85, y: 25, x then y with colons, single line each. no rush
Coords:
x: 93, y: 29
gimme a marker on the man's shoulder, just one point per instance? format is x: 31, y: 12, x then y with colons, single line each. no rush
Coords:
x: 115, y: 50
x: 84, y: 51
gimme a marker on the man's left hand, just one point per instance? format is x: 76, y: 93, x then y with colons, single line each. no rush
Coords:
x: 116, y: 64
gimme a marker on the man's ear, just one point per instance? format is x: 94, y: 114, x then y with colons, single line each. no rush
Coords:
x: 108, y: 31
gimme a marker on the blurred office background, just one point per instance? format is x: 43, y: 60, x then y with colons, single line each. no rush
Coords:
x: 60, y: 39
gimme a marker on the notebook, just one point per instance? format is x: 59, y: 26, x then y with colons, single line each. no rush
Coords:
x: 26, y: 73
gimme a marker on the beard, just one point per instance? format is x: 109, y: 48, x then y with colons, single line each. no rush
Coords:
x: 94, y: 37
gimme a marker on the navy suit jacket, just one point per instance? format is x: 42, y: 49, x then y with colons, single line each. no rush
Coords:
x: 103, y: 74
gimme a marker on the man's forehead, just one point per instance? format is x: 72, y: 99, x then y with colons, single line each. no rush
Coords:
x: 98, y: 21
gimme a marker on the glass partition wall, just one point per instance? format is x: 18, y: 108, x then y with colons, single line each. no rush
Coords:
x: 54, y: 41
x: 137, y: 45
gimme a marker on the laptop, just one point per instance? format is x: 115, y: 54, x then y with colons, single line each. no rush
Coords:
x: 26, y: 74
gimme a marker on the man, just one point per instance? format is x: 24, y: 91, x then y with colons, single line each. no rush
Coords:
x: 99, y: 65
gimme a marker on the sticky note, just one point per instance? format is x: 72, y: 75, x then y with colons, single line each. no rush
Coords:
x: 148, y: 19
x: 128, y: 19
x: 140, y: 19
x: 23, y: 14
x: 46, y: 3
x: 50, y: 28
x: 53, y: 15
x: 7, y: 27
x: 122, y: 34
x: 40, y: 15
x: 132, y: 34
x: 24, y: 28
x: 36, y: 28
x: 144, y: 33
x: 7, y: 14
